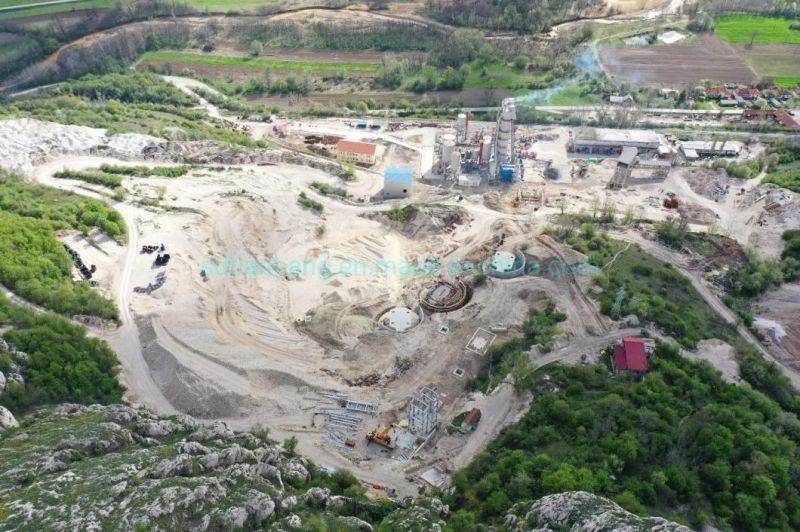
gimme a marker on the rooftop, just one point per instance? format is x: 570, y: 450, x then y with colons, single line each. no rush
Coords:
x: 398, y: 175
x: 503, y: 261
x: 713, y: 146
x: 352, y: 146
x: 618, y: 136
x: 631, y: 355
x: 628, y: 155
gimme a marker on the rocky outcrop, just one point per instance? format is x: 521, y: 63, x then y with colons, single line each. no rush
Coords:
x: 116, y: 467
x: 579, y: 510
x: 418, y: 514
x: 7, y: 419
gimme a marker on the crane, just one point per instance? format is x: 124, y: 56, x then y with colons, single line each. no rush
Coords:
x: 381, y: 437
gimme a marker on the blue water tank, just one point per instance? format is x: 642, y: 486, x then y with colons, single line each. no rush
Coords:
x: 506, y: 172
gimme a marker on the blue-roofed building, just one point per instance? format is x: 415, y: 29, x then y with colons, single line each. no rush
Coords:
x: 397, y: 182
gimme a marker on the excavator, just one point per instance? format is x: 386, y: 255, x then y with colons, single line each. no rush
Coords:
x: 381, y: 437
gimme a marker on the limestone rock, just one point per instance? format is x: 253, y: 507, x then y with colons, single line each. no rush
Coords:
x: 317, y: 497
x: 338, y: 501
x: 181, y: 466
x: 7, y: 419
x: 271, y: 473
x: 354, y: 523
x: 580, y: 510
x: 2, y: 382
x: 260, y: 507
x: 294, y: 471
x: 288, y: 503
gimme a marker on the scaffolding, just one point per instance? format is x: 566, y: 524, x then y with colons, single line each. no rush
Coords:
x: 423, y: 412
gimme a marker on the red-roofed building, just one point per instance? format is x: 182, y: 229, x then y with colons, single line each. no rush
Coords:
x: 357, y: 152
x: 780, y: 116
x: 718, y: 93
x: 632, y: 354
x: 748, y: 93
x: 471, y: 421
x: 785, y: 119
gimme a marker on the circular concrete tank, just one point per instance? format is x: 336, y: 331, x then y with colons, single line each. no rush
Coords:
x: 400, y: 319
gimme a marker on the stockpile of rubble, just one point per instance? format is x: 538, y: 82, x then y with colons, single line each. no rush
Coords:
x: 28, y: 142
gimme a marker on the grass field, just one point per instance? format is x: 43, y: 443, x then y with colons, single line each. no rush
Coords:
x: 498, y: 76
x: 48, y: 10
x: 571, y: 95
x: 259, y: 63
x: 217, y: 6
x: 783, y: 67
x: 738, y: 29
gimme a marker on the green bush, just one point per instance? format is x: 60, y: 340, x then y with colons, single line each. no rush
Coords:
x: 90, y: 176
x: 63, y: 364
x: 61, y: 209
x: 309, y: 203
x: 147, y: 171
x: 329, y: 190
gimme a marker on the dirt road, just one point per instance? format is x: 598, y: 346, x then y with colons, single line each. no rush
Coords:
x: 669, y: 256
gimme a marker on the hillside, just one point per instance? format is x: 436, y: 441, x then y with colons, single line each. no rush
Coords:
x: 121, y: 468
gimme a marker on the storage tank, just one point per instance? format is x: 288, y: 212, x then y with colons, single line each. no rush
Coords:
x: 461, y: 124
x: 446, y: 133
x: 507, y: 172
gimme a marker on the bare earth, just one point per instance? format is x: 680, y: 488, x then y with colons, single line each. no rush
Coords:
x: 678, y: 65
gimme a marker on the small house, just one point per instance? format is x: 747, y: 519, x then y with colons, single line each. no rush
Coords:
x: 632, y: 353
x: 625, y: 101
x: 471, y: 421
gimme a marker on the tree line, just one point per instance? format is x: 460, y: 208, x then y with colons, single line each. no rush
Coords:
x: 678, y: 442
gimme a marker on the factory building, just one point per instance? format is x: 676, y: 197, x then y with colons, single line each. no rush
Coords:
x: 708, y: 148
x: 397, y: 182
x: 356, y: 152
x: 613, y: 141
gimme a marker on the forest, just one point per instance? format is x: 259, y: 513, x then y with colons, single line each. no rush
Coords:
x: 33, y: 263
x: 679, y: 442
x: 524, y: 16
x: 62, y: 365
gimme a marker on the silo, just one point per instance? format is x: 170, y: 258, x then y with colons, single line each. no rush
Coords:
x: 455, y: 161
x: 486, y: 148
x: 461, y: 124
x: 448, y: 147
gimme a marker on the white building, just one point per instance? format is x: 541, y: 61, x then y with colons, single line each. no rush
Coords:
x: 397, y: 182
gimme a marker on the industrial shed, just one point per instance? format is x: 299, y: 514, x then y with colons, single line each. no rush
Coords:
x: 613, y: 141
x: 397, y: 182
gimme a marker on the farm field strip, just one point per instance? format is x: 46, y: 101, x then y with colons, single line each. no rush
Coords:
x: 52, y: 9
x: 739, y: 29
x: 258, y: 62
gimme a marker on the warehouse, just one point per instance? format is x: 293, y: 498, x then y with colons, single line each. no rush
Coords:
x: 612, y: 141
x: 356, y: 152
x: 708, y: 148
x: 397, y: 182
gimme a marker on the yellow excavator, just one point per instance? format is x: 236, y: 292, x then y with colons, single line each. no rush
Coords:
x: 381, y: 437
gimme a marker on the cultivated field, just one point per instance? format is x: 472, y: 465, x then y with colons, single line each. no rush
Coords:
x: 783, y: 67
x: 258, y: 62
x: 740, y: 28
x: 679, y: 64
